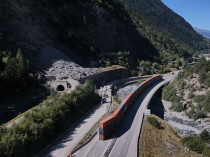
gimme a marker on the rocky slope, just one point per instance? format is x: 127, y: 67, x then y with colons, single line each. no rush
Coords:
x: 60, y: 66
x: 187, y: 98
x: 183, y: 125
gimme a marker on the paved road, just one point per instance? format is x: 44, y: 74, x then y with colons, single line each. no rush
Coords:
x: 126, y: 144
x: 128, y: 132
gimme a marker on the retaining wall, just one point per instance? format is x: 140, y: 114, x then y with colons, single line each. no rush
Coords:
x: 102, y: 78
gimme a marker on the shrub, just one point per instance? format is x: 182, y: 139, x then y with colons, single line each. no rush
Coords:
x: 199, y: 114
x: 206, y: 152
x: 205, y: 135
x: 139, y: 82
x: 199, y: 98
x: 194, y: 143
x: 206, y: 102
x: 116, y: 99
x: 191, y: 112
x: 169, y: 94
x: 154, y: 122
x: 177, y: 106
x: 182, y: 84
x: 191, y: 95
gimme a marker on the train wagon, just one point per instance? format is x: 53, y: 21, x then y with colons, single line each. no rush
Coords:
x: 106, y: 127
x: 109, y: 125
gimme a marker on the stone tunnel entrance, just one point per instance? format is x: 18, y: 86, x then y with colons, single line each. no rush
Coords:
x: 60, y: 88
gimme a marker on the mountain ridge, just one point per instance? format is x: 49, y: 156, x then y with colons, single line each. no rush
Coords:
x: 203, y: 32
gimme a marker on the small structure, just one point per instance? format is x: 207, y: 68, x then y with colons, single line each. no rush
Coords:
x: 147, y: 112
x: 207, y: 56
x: 60, y: 85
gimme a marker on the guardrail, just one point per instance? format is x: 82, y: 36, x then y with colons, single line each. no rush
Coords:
x: 20, y: 115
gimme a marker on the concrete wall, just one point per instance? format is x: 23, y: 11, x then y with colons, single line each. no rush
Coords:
x: 106, y: 76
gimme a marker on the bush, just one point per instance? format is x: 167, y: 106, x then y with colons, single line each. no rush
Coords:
x: 139, y: 82
x: 191, y: 112
x: 205, y: 135
x: 206, y: 102
x: 199, y: 98
x: 194, y: 143
x: 206, y: 152
x: 116, y: 99
x: 154, y: 122
x: 178, y: 107
x: 169, y: 94
x: 199, y: 114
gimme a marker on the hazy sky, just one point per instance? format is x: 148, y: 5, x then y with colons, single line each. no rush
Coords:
x: 196, y: 12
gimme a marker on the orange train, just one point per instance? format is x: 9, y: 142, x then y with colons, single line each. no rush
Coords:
x: 109, y: 125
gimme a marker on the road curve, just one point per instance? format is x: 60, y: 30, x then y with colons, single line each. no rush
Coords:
x: 126, y: 144
x: 128, y: 131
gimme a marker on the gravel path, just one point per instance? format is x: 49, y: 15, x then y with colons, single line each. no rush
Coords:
x: 123, y: 92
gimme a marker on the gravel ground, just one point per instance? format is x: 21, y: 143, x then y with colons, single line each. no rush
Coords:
x: 182, y: 124
x: 123, y: 92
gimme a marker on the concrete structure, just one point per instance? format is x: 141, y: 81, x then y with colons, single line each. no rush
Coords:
x: 102, y: 78
x: 60, y: 85
x: 207, y: 56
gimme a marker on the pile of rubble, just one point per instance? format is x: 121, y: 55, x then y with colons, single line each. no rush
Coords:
x: 58, y: 65
x: 61, y: 68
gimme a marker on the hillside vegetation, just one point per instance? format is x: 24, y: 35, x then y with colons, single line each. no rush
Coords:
x: 190, y: 91
x: 16, y: 78
x: 199, y: 144
x: 88, y: 31
x: 45, y: 123
x: 168, y: 32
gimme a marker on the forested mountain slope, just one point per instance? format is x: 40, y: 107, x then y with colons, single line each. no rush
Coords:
x: 165, y: 29
x: 85, y: 30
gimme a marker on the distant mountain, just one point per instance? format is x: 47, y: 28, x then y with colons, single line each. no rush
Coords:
x: 168, y: 25
x: 203, y: 32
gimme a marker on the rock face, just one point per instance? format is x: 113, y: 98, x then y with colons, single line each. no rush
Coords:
x: 182, y: 124
x: 58, y: 65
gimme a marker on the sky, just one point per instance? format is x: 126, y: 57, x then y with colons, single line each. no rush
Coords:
x: 195, y: 12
